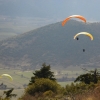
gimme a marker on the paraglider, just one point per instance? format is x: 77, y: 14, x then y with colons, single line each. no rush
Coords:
x: 77, y: 38
x: 83, y: 50
x: 7, y: 75
x: 73, y: 16
x: 84, y: 33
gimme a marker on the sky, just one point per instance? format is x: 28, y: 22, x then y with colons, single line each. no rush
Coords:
x: 25, y: 15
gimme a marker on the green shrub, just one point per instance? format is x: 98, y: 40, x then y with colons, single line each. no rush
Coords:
x: 42, y: 85
x: 79, y: 88
x: 48, y: 93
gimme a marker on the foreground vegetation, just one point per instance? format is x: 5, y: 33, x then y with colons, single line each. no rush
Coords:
x: 44, y: 86
x: 79, y: 91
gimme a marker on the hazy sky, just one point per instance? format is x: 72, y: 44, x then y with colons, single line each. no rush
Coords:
x: 50, y: 8
x: 35, y: 13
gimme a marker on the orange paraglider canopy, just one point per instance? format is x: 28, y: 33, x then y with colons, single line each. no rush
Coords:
x: 73, y: 16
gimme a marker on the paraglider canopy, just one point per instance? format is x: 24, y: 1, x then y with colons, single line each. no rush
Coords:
x: 73, y: 16
x: 7, y: 75
x: 84, y: 33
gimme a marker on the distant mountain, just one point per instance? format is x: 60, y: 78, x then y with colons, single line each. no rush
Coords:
x: 54, y: 45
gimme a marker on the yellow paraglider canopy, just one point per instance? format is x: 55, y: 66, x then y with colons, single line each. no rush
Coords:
x: 84, y: 33
x: 7, y: 76
x: 73, y: 16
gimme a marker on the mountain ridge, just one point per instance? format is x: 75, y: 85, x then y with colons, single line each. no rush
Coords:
x: 52, y: 44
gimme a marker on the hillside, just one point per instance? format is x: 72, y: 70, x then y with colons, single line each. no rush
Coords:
x: 54, y: 45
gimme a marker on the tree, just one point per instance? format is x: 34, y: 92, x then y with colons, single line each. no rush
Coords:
x: 42, y: 85
x: 86, y: 78
x: 91, y: 76
x: 8, y: 93
x: 44, y: 72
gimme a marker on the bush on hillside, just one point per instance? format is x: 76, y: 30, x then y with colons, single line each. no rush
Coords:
x: 79, y: 88
x: 42, y: 85
x: 48, y: 93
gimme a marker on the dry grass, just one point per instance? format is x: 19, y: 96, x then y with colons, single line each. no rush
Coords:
x: 90, y: 95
